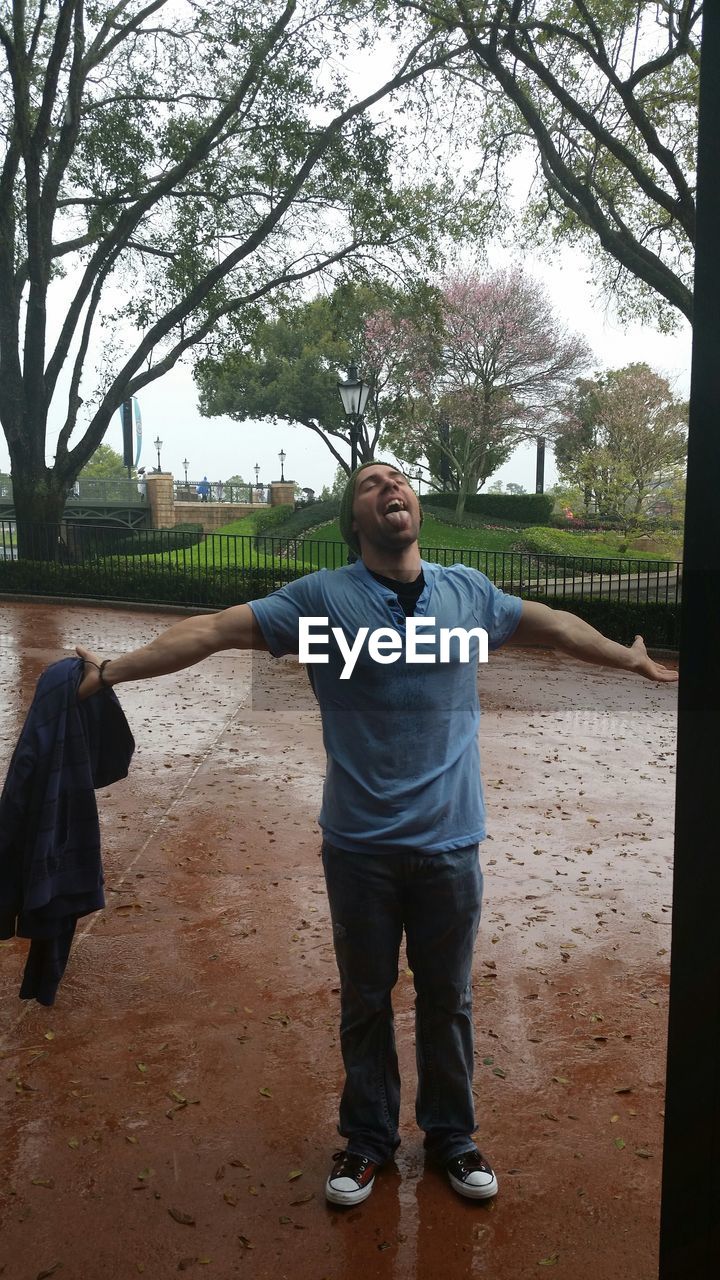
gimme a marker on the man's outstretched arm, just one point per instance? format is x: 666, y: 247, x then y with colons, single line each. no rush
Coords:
x: 565, y: 631
x: 180, y: 646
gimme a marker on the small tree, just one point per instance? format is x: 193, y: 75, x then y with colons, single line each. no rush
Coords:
x: 625, y: 434
x: 489, y: 376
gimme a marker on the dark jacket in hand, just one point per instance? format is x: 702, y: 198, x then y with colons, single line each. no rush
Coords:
x: 50, y: 865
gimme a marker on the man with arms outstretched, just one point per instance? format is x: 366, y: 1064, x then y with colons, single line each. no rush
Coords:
x: 402, y: 813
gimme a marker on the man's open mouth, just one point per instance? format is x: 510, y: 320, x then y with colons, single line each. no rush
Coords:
x: 396, y: 513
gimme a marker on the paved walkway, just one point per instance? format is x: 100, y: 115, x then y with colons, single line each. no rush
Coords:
x: 175, y: 1110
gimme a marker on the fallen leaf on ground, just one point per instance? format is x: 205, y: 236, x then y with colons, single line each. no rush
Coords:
x: 48, y: 1271
x: 294, y: 1173
x: 265, y: 1093
x: 549, y: 1262
x: 186, y: 1219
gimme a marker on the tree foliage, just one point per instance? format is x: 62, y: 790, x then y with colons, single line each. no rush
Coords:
x: 606, y: 93
x: 105, y: 464
x: 488, y: 376
x: 167, y: 167
x: 288, y: 369
x: 624, y: 439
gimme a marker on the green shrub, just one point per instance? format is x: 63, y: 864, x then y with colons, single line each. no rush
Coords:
x: 143, y: 583
x: 588, y: 553
x: 104, y: 540
x: 521, y: 508
x: 467, y: 521
x: 269, y: 520
x: 296, y: 521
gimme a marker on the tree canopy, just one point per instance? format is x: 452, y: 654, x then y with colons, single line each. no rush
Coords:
x: 624, y: 439
x: 605, y: 93
x: 169, y: 166
x: 488, y: 376
x: 289, y: 366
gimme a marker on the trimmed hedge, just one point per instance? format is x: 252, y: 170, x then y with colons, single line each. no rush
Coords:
x: 152, y: 584
x: 430, y: 508
x: 294, y: 521
x: 520, y: 508
x: 105, y: 540
x: 622, y: 620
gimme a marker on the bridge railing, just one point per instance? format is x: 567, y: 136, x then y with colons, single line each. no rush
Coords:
x: 218, y: 491
x: 116, y: 490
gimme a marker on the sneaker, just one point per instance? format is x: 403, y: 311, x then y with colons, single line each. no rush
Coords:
x: 351, y: 1180
x: 471, y: 1175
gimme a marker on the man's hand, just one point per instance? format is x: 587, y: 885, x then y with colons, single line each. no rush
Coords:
x: 91, y: 682
x: 645, y: 665
x: 565, y: 631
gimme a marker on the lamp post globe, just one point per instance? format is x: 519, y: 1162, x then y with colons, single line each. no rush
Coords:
x: 354, y: 394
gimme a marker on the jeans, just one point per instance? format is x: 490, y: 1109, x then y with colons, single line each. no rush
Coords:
x: 436, y: 898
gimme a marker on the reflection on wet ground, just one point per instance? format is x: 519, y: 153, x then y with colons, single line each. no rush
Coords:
x: 190, y: 1068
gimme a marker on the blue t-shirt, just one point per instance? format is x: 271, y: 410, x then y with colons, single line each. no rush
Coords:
x: 403, y: 761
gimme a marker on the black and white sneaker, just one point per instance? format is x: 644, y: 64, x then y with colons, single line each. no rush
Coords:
x: 351, y: 1179
x: 471, y: 1175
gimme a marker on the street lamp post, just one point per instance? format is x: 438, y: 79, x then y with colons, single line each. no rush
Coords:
x: 186, y: 464
x: 540, y: 466
x: 354, y: 395
x: 256, y: 469
x: 158, y: 445
x: 282, y: 456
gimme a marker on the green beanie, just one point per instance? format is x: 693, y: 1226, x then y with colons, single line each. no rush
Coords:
x: 346, y: 503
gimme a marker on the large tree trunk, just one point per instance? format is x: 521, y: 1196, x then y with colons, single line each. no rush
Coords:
x: 461, y: 498
x: 39, y: 501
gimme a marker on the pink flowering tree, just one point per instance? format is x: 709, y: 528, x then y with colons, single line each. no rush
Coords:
x: 487, y: 371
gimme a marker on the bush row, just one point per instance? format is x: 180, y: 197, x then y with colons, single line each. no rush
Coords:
x: 109, y: 540
x: 659, y: 624
x: 520, y: 508
x: 288, y: 522
x: 430, y: 508
x: 152, y: 584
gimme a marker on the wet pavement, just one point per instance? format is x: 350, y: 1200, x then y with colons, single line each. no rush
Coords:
x: 175, y: 1110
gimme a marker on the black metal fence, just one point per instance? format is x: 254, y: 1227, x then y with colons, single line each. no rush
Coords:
x: 192, y: 568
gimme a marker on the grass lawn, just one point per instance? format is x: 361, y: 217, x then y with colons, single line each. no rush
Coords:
x: 234, y: 544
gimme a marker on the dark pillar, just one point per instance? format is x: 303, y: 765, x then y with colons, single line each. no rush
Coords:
x: 690, y: 1219
x: 540, y: 466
